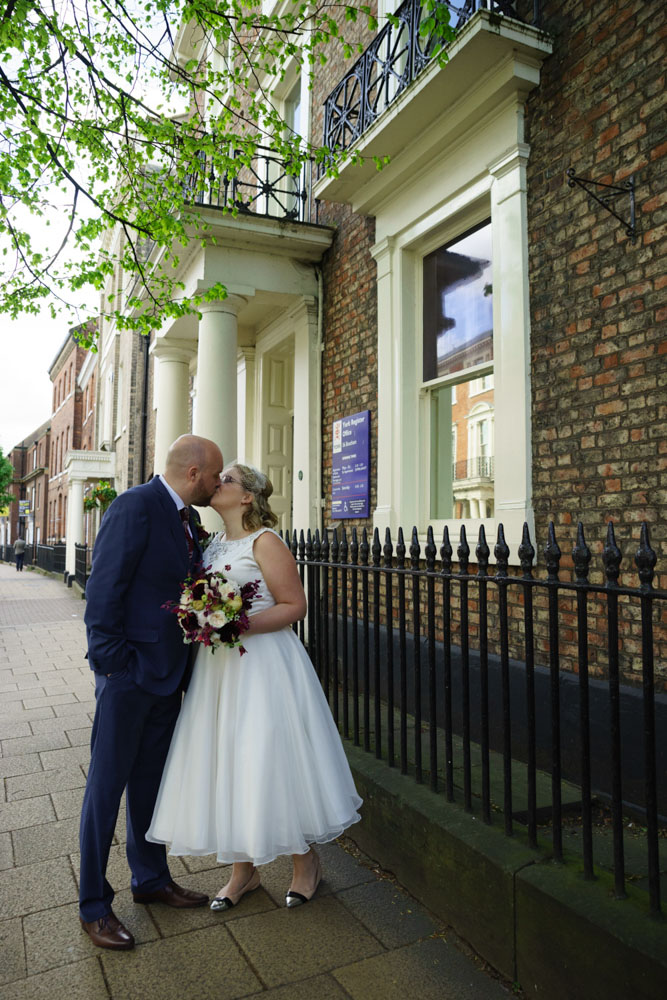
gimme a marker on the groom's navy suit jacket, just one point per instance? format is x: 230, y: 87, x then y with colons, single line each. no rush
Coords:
x: 139, y: 561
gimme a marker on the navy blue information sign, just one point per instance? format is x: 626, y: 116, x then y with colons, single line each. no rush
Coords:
x: 350, y: 470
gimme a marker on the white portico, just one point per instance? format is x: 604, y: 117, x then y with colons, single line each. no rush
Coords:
x: 245, y: 372
x: 82, y: 467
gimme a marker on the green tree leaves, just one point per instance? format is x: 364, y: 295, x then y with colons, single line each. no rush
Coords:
x: 115, y: 116
x: 6, y: 479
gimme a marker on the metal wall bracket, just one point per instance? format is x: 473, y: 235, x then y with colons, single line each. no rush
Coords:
x: 616, y: 191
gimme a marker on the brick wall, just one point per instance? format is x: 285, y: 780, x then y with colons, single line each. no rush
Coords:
x: 597, y: 299
x: 349, y: 358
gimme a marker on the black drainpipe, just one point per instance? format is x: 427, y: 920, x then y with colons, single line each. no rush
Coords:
x: 144, y: 408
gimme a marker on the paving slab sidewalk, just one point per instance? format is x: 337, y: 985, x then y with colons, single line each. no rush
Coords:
x: 362, y: 937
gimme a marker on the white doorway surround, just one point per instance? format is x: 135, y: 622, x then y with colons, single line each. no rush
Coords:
x: 286, y: 430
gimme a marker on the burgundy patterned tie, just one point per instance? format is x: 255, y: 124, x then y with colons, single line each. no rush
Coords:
x: 185, y: 518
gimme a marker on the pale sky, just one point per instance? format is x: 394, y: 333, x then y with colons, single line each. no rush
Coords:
x: 29, y: 344
x: 28, y: 347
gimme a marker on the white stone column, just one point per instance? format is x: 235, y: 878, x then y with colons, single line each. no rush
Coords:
x: 172, y: 359
x: 245, y: 406
x: 398, y: 467
x: 384, y: 515
x: 511, y: 325
x: 74, y: 531
x: 216, y: 415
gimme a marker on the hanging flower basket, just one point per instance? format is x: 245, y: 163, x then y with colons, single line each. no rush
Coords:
x: 100, y: 496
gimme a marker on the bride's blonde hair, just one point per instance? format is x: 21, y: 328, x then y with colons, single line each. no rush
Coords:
x: 258, y: 514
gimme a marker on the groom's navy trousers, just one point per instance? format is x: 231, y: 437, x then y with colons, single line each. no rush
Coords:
x: 136, y: 651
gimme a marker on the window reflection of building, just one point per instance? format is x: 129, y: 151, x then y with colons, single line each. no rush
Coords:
x: 473, y: 460
x: 458, y: 339
x: 458, y: 313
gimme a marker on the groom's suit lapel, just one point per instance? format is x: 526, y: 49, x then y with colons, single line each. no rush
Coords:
x: 173, y: 520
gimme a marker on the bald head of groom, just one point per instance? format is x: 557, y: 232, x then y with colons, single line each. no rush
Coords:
x: 193, y: 468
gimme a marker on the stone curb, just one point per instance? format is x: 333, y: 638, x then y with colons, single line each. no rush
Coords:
x: 537, y: 922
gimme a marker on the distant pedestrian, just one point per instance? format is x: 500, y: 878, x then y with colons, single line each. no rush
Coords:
x: 19, y: 552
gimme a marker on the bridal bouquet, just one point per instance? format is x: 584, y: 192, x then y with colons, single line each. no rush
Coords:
x: 213, y: 609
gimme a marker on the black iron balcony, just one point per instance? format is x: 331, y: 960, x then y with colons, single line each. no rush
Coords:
x: 261, y: 187
x: 480, y: 467
x: 396, y: 56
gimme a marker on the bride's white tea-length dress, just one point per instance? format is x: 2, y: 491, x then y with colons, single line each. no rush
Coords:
x: 256, y: 766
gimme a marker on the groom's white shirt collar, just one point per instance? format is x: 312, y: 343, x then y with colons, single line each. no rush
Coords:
x: 172, y: 493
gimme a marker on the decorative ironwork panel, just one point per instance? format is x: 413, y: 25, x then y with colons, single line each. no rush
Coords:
x: 343, y: 111
x: 262, y: 185
x: 395, y: 57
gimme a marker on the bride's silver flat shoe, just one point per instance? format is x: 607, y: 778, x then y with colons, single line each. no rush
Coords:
x: 227, y: 902
x: 294, y: 898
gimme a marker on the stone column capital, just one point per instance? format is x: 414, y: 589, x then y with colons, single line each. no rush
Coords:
x: 382, y: 252
x: 232, y: 305
x: 168, y: 349
x: 518, y: 155
x: 305, y: 310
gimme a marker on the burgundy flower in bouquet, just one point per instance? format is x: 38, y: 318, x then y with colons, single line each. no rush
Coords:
x: 204, y: 537
x: 213, y: 609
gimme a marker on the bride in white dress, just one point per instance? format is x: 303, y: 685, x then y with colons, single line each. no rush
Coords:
x: 256, y: 767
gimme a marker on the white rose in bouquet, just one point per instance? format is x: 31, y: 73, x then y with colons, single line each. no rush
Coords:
x: 217, y: 619
x: 229, y: 590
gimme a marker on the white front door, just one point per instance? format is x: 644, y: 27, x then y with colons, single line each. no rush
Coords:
x: 277, y: 427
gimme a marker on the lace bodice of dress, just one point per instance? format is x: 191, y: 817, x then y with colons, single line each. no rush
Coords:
x: 238, y: 556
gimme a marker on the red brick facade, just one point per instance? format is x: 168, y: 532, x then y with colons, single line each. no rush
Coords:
x: 31, y: 480
x: 66, y: 422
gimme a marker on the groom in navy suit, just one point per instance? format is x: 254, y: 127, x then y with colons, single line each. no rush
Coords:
x: 146, y: 546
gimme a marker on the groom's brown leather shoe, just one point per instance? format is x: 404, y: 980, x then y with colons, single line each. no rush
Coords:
x: 108, y: 932
x: 172, y: 895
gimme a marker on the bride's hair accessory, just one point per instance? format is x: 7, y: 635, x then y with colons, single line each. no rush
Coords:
x: 258, y: 513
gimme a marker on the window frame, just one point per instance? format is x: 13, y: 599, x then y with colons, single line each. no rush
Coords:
x: 457, y: 227
x: 499, y: 193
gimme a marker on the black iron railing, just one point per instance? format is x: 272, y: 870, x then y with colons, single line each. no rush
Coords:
x: 414, y: 656
x: 51, y: 558
x: 395, y: 57
x: 262, y: 186
x: 81, y: 564
x: 8, y: 554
